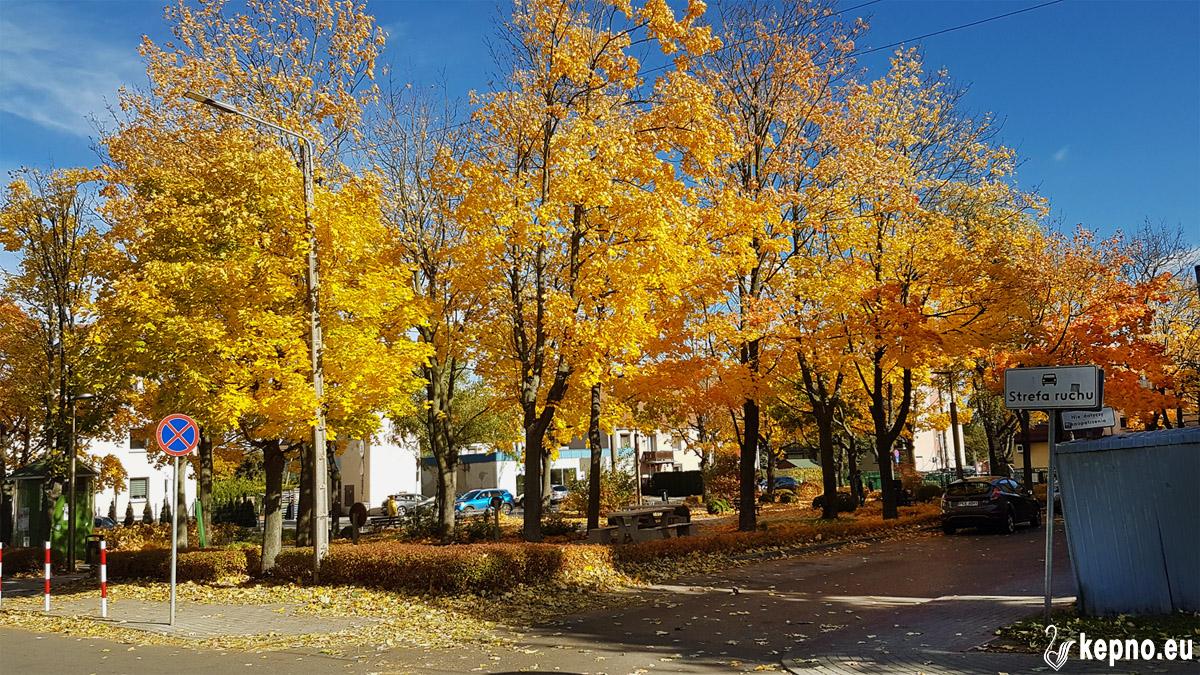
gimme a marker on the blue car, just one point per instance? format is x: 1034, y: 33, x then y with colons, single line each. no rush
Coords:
x: 781, y: 483
x: 479, y: 501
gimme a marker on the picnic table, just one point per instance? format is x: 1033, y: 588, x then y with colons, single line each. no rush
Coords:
x: 644, y: 523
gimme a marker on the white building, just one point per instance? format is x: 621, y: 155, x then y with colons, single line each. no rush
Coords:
x: 148, y: 478
x: 933, y: 449
x: 383, y: 465
x: 483, y: 467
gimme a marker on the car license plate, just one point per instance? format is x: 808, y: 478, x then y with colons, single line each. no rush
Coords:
x: 969, y: 503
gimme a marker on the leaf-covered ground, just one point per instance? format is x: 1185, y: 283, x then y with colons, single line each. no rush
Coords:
x: 398, y: 620
x: 1029, y: 635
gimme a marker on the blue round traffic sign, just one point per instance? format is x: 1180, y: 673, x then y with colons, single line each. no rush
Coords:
x: 177, y: 434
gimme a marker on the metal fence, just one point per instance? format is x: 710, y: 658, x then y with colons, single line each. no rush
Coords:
x: 1132, y: 510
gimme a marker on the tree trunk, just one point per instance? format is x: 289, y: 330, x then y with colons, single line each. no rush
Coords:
x: 886, y: 476
x: 593, y: 503
x: 748, y: 512
x: 447, y: 487
x: 273, y: 465
x: 547, y: 462
x: 532, y: 525
x: 304, y: 519
x: 828, y: 472
x: 1026, y: 449
x: 958, y: 458
x: 204, y: 483
x: 770, y: 473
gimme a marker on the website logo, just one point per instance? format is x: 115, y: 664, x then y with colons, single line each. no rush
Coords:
x: 1056, y: 658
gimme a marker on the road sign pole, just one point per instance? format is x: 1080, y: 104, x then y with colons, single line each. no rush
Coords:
x: 174, y: 536
x: 1051, y: 429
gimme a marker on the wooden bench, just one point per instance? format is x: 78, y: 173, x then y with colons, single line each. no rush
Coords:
x: 380, y: 522
x: 602, y: 535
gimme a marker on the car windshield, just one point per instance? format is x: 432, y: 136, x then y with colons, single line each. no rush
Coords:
x: 470, y: 495
x: 970, y: 487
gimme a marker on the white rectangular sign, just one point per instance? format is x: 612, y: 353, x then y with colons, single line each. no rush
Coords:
x: 1054, y: 388
x: 1075, y: 420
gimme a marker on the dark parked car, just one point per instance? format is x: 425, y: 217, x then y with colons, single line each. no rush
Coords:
x: 103, y: 523
x: 988, y: 501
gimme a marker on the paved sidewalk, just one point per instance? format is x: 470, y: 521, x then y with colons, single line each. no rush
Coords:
x: 192, y: 619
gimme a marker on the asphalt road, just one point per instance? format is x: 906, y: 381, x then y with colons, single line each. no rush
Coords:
x: 899, y: 606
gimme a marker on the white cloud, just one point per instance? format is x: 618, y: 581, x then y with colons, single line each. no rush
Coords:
x: 56, y: 71
x: 1060, y: 155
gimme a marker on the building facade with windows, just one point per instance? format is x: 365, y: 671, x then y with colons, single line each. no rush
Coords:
x: 148, y: 477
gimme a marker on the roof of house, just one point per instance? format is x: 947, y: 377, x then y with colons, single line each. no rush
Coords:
x: 39, y: 469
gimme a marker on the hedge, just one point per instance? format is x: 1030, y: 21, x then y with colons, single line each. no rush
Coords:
x: 486, y: 568
x: 445, y: 570
x: 208, y: 565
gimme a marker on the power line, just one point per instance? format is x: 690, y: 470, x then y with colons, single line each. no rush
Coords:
x: 959, y: 27
x: 641, y: 73
x: 863, y: 52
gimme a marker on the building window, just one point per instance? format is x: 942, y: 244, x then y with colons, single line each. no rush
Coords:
x: 136, y: 443
x: 561, y: 476
x: 139, y: 488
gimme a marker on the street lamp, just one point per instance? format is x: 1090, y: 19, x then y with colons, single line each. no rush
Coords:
x: 320, y: 516
x: 71, y: 485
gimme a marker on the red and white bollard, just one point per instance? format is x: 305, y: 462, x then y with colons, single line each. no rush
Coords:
x: 46, y: 592
x: 103, y: 579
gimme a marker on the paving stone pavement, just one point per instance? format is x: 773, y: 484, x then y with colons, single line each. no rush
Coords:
x: 209, y: 620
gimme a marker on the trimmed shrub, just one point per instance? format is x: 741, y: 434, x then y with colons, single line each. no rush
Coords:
x: 147, y: 514
x: 128, y: 514
x: 209, y: 565
x: 445, y: 570
x: 845, y: 502
x: 112, y: 510
x: 556, y: 526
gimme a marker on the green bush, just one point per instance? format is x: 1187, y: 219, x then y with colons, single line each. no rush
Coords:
x: 927, y: 492
x: 147, y: 514
x: 718, y: 506
x: 617, y: 490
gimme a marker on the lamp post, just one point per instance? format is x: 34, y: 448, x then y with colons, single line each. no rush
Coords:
x: 71, y: 486
x: 320, y: 516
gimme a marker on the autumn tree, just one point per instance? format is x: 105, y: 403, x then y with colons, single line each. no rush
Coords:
x: 928, y: 225
x: 775, y: 81
x: 416, y: 139
x: 209, y: 237
x: 577, y: 166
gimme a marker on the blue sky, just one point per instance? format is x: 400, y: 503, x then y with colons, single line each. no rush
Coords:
x: 1101, y: 99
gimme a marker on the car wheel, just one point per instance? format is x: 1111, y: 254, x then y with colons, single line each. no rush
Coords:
x: 507, y: 509
x: 948, y: 529
x: 400, y: 511
x: 1009, y: 525
x: 468, y: 510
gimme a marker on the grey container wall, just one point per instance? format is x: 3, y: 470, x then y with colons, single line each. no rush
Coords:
x: 1132, y: 509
